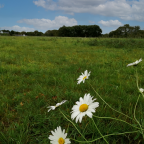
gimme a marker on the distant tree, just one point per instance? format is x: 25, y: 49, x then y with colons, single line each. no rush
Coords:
x: 136, y: 29
x: 125, y: 31
x: 30, y: 33
x: 51, y: 33
x: 6, y: 31
x: 17, y: 33
x: 35, y: 32
x: 12, y: 33
x: 23, y: 32
x: 62, y: 31
x: 47, y: 33
x: 40, y: 34
x: 141, y: 33
x: 78, y: 31
x: 113, y: 33
x: 55, y: 32
x: 105, y: 35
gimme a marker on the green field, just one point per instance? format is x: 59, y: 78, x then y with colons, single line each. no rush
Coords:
x: 37, y: 72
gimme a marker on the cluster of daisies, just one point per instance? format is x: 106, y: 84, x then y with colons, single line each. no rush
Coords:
x: 85, y: 106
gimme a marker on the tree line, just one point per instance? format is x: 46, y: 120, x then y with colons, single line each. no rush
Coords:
x: 74, y: 31
x: 126, y: 31
x: 85, y: 31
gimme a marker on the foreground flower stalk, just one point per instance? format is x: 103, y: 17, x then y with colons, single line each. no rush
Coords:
x: 74, y: 126
x: 87, y: 106
x: 141, y: 90
x: 109, y: 105
x: 137, y: 120
x: 85, y: 76
x: 117, y: 120
x: 99, y: 132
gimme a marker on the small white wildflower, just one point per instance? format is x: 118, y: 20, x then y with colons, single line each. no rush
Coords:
x: 135, y: 63
x: 59, y: 137
x: 141, y: 90
x: 83, y: 77
x: 58, y: 104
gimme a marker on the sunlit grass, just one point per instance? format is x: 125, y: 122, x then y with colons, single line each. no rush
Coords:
x: 37, y: 72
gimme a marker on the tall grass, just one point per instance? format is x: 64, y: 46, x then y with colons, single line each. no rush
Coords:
x: 37, y: 72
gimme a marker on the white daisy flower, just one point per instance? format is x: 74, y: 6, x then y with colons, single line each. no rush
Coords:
x: 59, y: 137
x: 141, y: 90
x: 83, y: 77
x: 58, y: 104
x: 84, y: 107
x: 135, y: 63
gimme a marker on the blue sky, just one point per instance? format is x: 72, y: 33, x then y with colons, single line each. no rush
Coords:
x: 43, y: 15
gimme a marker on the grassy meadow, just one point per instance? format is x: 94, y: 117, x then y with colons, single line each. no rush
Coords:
x: 37, y: 72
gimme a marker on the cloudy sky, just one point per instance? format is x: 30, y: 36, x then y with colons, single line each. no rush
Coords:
x: 43, y: 15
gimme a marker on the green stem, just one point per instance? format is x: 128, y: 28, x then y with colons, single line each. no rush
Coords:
x: 136, y: 105
x: 99, y: 131
x: 118, y: 120
x: 73, y: 125
x: 109, y: 105
x: 105, y: 136
x: 135, y: 117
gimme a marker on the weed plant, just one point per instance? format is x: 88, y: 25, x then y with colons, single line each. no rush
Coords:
x: 37, y: 72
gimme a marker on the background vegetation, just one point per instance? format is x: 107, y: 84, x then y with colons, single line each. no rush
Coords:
x: 125, y: 31
x: 37, y: 72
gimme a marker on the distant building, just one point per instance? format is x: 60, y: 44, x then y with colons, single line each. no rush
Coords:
x: 5, y: 32
x: 17, y: 35
x: 20, y: 35
x: 1, y: 32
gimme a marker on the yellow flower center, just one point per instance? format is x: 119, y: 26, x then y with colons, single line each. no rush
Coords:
x: 61, y: 141
x: 83, y: 107
x: 85, y: 77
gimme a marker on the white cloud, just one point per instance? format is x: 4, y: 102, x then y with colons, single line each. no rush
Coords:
x: 1, y: 6
x: 111, y: 23
x: 40, y: 3
x: 47, y: 5
x: 18, y: 28
x: 69, y: 6
x: 45, y: 24
x: 126, y: 10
